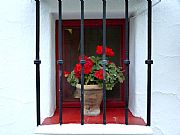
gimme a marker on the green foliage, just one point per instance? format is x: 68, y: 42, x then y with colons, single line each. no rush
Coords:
x: 72, y: 79
x: 113, y: 74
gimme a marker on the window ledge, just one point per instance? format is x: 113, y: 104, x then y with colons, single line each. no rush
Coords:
x: 91, y: 129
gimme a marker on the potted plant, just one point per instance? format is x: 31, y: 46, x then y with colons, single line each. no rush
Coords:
x: 93, y: 79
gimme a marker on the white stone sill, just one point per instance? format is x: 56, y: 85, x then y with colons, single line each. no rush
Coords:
x: 93, y: 129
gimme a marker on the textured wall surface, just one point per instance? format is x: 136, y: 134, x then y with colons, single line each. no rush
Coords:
x: 165, y: 70
x: 17, y: 71
x: 166, y: 86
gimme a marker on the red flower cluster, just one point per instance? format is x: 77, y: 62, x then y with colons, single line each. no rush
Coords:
x: 66, y: 73
x: 77, y: 70
x: 99, y: 74
x: 109, y: 51
x: 99, y: 49
x: 87, y: 67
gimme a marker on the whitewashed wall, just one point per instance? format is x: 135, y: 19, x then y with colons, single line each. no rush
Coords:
x: 166, y: 86
x: 138, y: 69
x: 17, y: 71
x: 166, y: 67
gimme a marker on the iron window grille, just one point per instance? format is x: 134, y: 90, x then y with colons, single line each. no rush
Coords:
x: 149, y: 61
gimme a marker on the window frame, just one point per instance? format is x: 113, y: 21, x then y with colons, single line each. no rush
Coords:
x: 90, y: 23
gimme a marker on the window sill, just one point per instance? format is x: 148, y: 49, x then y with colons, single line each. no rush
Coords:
x: 113, y: 116
x: 92, y: 129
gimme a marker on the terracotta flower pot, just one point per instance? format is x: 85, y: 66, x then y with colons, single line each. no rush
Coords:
x: 92, y: 99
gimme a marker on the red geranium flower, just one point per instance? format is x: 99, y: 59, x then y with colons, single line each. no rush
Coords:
x: 99, y: 74
x: 66, y: 73
x: 77, y: 70
x: 88, y: 64
x: 87, y: 67
x: 85, y: 58
x: 93, y: 70
x: 109, y: 51
x: 99, y: 49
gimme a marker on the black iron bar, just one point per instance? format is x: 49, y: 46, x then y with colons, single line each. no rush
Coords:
x: 149, y: 62
x: 60, y: 62
x: 126, y: 62
x: 37, y: 62
x: 104, y: 61
x: 37, y: 28
x: 82, y: 62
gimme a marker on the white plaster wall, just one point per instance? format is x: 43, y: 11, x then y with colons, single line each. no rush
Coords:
x: 138, y: 55
x: 166, y: 86
x: 47, y: 45
x: 165, y: 70
x: 17, y: 71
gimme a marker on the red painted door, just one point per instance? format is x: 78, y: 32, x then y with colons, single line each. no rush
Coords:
x: 93, y: 37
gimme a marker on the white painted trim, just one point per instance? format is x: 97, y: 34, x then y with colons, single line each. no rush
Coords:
x: 91, y: 129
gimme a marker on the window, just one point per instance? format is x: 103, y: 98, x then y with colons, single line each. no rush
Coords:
x: 115, y: 10
x: 71, y: 46
x: 93, y: 37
